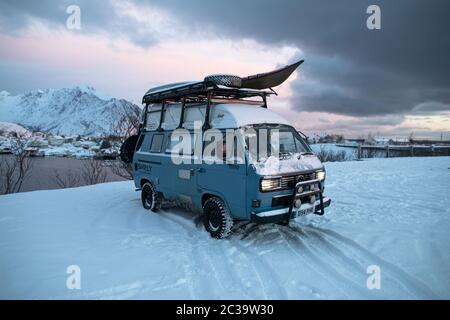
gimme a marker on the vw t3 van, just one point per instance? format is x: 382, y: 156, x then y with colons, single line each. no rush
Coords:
x: 244, y: 175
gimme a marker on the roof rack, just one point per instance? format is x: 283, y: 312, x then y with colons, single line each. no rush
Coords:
x: 218, y: 86
x: 199, y: 90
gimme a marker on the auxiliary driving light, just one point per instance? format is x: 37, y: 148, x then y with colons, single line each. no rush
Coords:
x: 300, y: 189
x: 312, y: 199
x: 321, y: 175
x: 297, y: 203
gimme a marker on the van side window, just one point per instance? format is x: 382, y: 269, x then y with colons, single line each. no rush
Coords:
x: 170, y: 144
x: 180, y: 141
x: 157, y: 142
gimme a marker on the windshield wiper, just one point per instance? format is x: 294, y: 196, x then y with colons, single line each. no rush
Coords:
x: 307, y: 153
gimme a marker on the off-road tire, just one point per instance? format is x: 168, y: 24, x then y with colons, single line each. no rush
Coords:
x: 150, y: 198
x: 217, y: 218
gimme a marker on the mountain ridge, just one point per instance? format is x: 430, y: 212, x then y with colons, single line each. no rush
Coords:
x: 79, y: 110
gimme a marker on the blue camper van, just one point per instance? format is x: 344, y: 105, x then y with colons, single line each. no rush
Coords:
x: 273, y: 188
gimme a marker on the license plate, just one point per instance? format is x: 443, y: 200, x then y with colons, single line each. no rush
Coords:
x: 304, y: 212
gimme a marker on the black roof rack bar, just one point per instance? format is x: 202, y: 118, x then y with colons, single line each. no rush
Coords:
x: 154, y: 111
x: 183, y: 108
x: 161, y: 118
x: 206, y: 125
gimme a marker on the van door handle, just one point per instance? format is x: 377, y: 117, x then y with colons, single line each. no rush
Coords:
x: 200, y: 170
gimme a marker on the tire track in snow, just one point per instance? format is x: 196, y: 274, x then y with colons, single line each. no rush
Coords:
x: 197, y: 283
x: 308, y: 257
x: 264, y: 235
x: 260, y: 272
x: 227, y: 265
x: 332, y: 256
x: 266, y: 275
x: 413, y: 286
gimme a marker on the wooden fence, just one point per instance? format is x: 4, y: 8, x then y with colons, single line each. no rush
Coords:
x: 373, y: 151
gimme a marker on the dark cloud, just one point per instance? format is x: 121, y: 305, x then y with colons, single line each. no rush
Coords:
x: 431, y: 107
x: 356, y: 71
x: 96, y: 17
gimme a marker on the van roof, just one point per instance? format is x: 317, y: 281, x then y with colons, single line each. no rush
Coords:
x: 237, y: 115
x: 222, y: 116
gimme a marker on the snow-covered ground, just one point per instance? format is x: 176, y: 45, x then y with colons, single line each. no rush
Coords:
x: 392, y: 213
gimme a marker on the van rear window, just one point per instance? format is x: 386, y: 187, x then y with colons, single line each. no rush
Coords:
x: 157, y: 142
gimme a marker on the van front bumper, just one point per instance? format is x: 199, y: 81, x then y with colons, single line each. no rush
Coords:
x: 279, y: 215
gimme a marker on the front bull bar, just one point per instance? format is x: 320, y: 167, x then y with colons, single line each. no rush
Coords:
x: 312, y: 191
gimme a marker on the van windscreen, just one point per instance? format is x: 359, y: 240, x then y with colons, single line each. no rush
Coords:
x: 264, y: 141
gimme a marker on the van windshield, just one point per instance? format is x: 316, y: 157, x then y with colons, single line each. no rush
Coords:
x: 282, y: 141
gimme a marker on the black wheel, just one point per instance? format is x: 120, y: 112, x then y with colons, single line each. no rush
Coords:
x: 150, y: 198
x: 217, y: 218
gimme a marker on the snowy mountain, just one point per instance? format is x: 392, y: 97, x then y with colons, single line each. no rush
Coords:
x: 68, y: 111
x: 7, y: 128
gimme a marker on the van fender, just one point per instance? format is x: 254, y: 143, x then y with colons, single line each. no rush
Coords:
x: 216, y: 194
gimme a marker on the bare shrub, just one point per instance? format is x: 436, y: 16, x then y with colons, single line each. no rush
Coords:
x: 328, y: 155
x: 69, y: 180
x: 122, y: 169
x: 126, y: 126
x: 93, y: 172
x: 15, y: 168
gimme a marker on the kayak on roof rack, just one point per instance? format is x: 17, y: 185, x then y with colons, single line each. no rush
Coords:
x: 223, y: 84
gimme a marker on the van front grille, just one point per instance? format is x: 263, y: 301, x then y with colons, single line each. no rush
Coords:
x: 288, y: 182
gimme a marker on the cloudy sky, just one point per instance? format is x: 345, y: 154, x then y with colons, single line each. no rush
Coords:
x: 354, y: 81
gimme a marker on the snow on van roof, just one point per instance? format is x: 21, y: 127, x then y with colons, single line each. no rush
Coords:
x: 239, y: 115
x: 170, y: 86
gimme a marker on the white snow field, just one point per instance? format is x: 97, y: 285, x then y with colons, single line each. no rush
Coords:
x: 392, y: 213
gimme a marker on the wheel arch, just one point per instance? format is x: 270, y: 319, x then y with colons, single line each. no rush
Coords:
x: 144, y: 181
x: 210, y: 194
